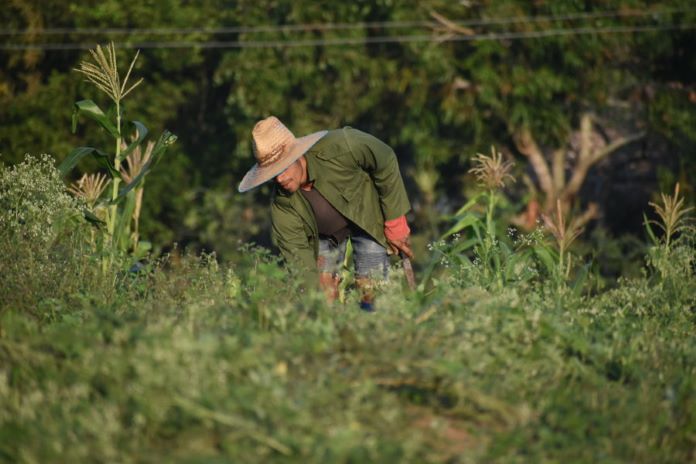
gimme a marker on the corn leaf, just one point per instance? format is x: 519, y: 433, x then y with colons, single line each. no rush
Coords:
x: 648, y: 229
x: 468, y: 220
x: 166, y: 139
x: 92, y: 218
x: 92, y: 111
x: 142, y: 131
x: 465, y: 245
x: 103, y: 159
x: 467, y: 206
x: 581, y: 279
x: 546, y: 258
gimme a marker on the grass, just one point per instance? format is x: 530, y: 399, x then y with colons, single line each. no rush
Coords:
x: 190, y: 360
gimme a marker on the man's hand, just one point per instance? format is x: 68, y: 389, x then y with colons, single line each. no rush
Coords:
x: 397, y: 233
x: 400, y: 246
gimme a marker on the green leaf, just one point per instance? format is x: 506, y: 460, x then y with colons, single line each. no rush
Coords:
x: 546, y: 257
x: 103, y: 159
x: 468, y: 205
x: 465, y: 245
x: 504, y: 248
x: 92, y: 111
x: 468, y: 220
x: 93, y: 219
x: 142, y: 249
x: 427, y: 274
x: 142, y: 133
x: 514, y: 262
x: 579, y: 283
x: 648, y: 229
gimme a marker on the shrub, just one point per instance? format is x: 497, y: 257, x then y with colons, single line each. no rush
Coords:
x: 43, y: 239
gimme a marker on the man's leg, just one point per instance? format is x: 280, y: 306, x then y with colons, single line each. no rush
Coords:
x: 371, y: 265
x: 331, y: 255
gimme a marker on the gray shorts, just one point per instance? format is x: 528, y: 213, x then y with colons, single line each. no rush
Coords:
x: 369, y: 257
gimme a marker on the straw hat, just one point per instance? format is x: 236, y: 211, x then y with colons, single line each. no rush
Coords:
x: 275, y: 148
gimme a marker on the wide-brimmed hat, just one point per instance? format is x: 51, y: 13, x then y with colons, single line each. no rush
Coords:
x: 275, y: 149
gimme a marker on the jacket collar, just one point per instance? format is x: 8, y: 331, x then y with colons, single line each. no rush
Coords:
x: 311, y: 166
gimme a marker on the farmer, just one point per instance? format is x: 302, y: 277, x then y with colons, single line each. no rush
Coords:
x: 331, y: 187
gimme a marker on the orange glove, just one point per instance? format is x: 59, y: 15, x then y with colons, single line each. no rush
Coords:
x: 397, y: 233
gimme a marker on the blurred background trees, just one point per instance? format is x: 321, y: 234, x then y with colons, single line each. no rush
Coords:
x: 595, y: 101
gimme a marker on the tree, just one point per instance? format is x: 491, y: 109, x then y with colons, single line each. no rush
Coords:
x: 426, y: 77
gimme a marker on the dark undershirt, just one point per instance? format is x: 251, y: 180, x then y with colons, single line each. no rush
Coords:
x: 330, y: 222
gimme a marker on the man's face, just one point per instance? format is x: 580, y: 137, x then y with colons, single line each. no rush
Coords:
x: 293, y: 177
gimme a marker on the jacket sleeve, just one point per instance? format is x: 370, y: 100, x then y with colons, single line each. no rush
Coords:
x: 379, y: 161
x: 287, y: 233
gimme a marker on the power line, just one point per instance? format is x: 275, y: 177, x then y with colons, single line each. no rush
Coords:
x: 359, y: 40
x: 339, y: 26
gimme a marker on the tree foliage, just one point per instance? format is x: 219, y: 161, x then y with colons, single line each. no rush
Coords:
x: 437, y: 101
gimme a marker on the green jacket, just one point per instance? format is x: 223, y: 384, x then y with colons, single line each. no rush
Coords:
x: 358, y: 174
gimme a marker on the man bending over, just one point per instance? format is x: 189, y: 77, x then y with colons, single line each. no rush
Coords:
x: 331, y: 187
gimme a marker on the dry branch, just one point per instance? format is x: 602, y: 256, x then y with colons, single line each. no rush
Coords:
x: 552, y: 180
x: 451, y: 26
x: 528, y: 147
x: 589, y: 159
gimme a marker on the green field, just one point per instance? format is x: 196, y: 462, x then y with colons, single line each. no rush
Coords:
x: 496, y: 358
x: 547, y: 149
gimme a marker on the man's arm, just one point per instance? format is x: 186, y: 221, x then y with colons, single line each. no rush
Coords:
x: 287, y: 233
x: 379, y: 161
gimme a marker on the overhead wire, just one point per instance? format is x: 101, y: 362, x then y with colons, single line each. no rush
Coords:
x: 402, y: 38
x: 357, y: 40
x: 336, y: 26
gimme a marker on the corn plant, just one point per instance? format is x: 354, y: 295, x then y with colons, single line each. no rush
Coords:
x: 675, y: 224
x: 471, y: 231
x: 133, y: 166
x: 89, y: 189
x: 673, y: 215
x: 123, y: 205
x: 489, y: 258
x: 492, y: 172
x: 565, y: 232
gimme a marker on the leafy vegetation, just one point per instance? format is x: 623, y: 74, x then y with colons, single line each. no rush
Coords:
x: 437, y: 102
x: 534, y: 334
x: 189, y: 360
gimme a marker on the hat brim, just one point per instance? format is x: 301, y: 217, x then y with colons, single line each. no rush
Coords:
x: 258, y: 175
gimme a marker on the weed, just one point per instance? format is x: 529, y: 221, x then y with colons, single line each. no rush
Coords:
x: 45, y: 256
